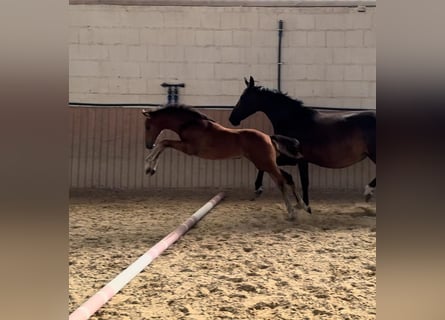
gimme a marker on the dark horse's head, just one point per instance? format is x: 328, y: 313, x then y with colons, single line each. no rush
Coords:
x: 247, y: 104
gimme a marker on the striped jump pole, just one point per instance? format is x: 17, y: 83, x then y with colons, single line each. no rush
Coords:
x: 89, y: 307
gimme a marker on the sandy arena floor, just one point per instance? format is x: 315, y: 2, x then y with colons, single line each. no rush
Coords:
x: 244, y: 260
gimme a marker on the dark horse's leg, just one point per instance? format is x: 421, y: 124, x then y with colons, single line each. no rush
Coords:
x: 369, y: 127
x: 303, y: 167
x: 259, y: 183
x: 370, y: 187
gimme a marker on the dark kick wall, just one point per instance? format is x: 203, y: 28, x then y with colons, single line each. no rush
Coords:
x: 107, y: 151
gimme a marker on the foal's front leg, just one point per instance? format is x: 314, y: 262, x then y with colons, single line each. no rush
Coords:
x: 153, y: 157
x: 151, y: 160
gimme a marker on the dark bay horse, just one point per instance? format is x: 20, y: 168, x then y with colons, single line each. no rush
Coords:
x: 330, y: 140
x: 202, y: 137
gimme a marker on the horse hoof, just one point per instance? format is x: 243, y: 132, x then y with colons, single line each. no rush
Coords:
x: 259, y: 191
x: 293, y: 219
x: 369, y: 191
x: 152, y: 171
x: 309, y: 210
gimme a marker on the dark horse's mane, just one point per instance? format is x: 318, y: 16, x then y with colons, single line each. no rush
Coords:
x: 180, y: 109
x: 282, y: 102
x: 278, y: 96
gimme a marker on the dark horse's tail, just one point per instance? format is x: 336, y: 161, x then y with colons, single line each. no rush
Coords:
x: 287, y: 146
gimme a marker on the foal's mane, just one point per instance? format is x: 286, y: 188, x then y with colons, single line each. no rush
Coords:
x: 180, y: 109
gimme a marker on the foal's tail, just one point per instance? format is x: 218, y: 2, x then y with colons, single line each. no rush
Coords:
x: 287, y: 146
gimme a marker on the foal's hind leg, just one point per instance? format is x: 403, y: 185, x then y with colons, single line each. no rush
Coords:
x: 280, y: 181
x: 290, y: 182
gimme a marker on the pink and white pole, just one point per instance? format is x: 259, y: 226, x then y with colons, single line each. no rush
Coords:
x: 89, y: 307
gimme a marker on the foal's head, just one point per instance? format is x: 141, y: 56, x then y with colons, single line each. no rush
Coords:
x: 173, y: 117
x: 152, y: 129
x: 247, y: 104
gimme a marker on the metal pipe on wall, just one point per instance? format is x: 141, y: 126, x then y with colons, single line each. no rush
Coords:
x: 280, y: 35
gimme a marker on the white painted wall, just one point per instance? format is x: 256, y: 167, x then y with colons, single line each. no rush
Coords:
x: 124, y: 53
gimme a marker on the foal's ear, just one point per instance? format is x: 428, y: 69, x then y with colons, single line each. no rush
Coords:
x: 146, y: 113
x: 251, y: 82
x: 246, y: 82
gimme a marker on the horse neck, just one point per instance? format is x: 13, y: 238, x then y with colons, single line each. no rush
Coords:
x: 178, y: 122
x: 282, y: 109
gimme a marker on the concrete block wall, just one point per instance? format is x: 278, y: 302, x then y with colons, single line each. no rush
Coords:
x: 124, y: 53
